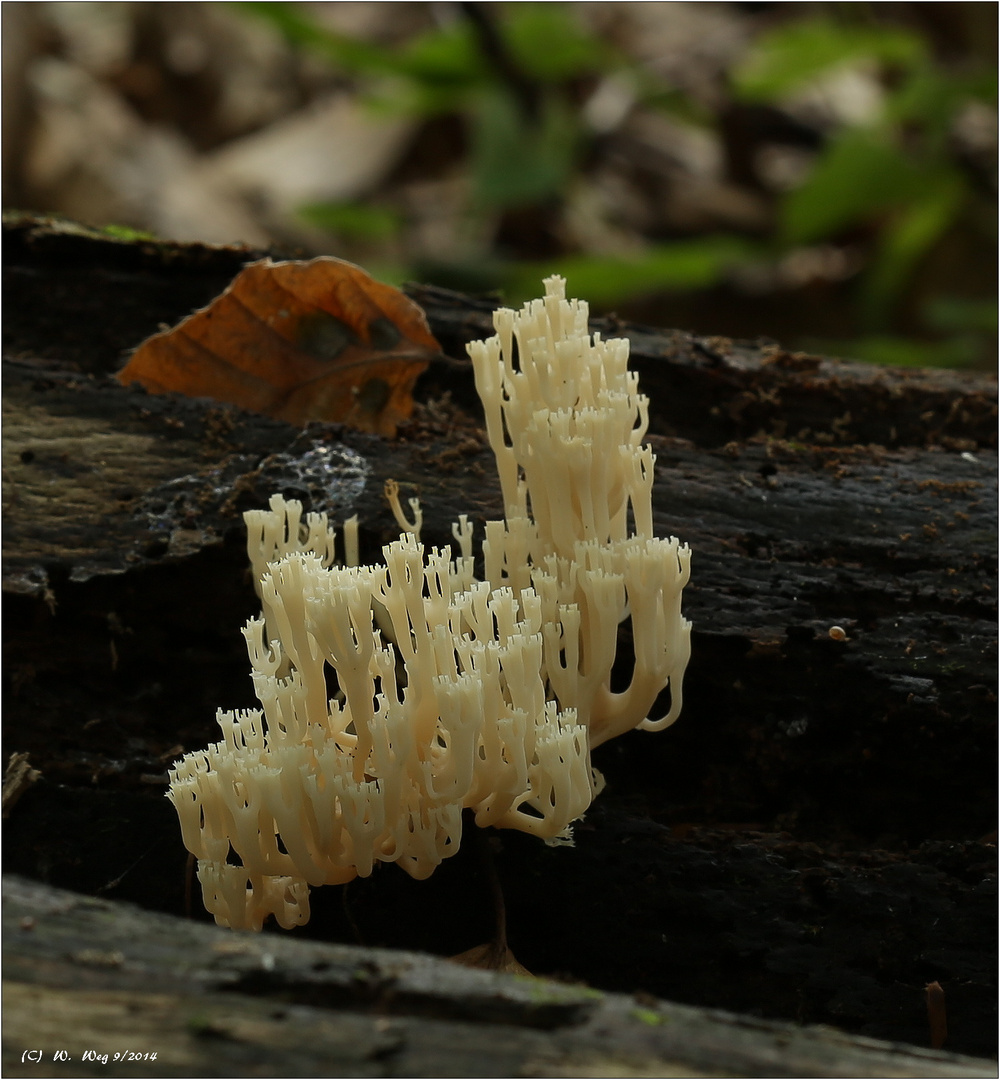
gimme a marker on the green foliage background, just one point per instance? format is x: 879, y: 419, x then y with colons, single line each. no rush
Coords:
x: 892, y: 187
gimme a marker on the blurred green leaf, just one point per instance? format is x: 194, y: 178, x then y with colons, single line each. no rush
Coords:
x: 959, y: 351
x: 861, y: 174
x: 798, y: 52
x: 864, y: 178
x: 905, y: 239
x: 447, y: 58
x: 354, y: 220
x: 926, y: 96
x: 301, y: 29
x: 548, y: 43
x: 516, y: 162
x: 676, y: 103
x: 928, y: 99
x: 603, y: 280
x: 961, y: 314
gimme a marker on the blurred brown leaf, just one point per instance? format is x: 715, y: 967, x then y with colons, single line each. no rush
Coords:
x: 300, y: 341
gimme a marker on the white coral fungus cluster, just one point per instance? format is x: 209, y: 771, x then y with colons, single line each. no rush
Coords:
x: 487, y: 694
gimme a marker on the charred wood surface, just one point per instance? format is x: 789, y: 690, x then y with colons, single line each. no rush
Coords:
x: 809, y: 842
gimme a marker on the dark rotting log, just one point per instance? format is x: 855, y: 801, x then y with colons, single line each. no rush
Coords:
x: 811, y: 841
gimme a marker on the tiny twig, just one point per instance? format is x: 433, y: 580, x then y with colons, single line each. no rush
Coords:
x: 499, y: 944
x: 188, y: 882
x: 937, y: 1015
x: 115, y: 882
x: 349, y: 915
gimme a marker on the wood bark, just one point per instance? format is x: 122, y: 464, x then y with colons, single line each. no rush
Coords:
x: 810, y: 841
x: 85, y: 975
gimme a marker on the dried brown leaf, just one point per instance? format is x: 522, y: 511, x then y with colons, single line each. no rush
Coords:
x: 300, y: 341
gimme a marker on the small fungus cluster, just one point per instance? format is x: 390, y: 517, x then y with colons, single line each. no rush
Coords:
x: 453, y: 692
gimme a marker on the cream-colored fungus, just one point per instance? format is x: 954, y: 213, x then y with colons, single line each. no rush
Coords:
x: 486, y: 695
